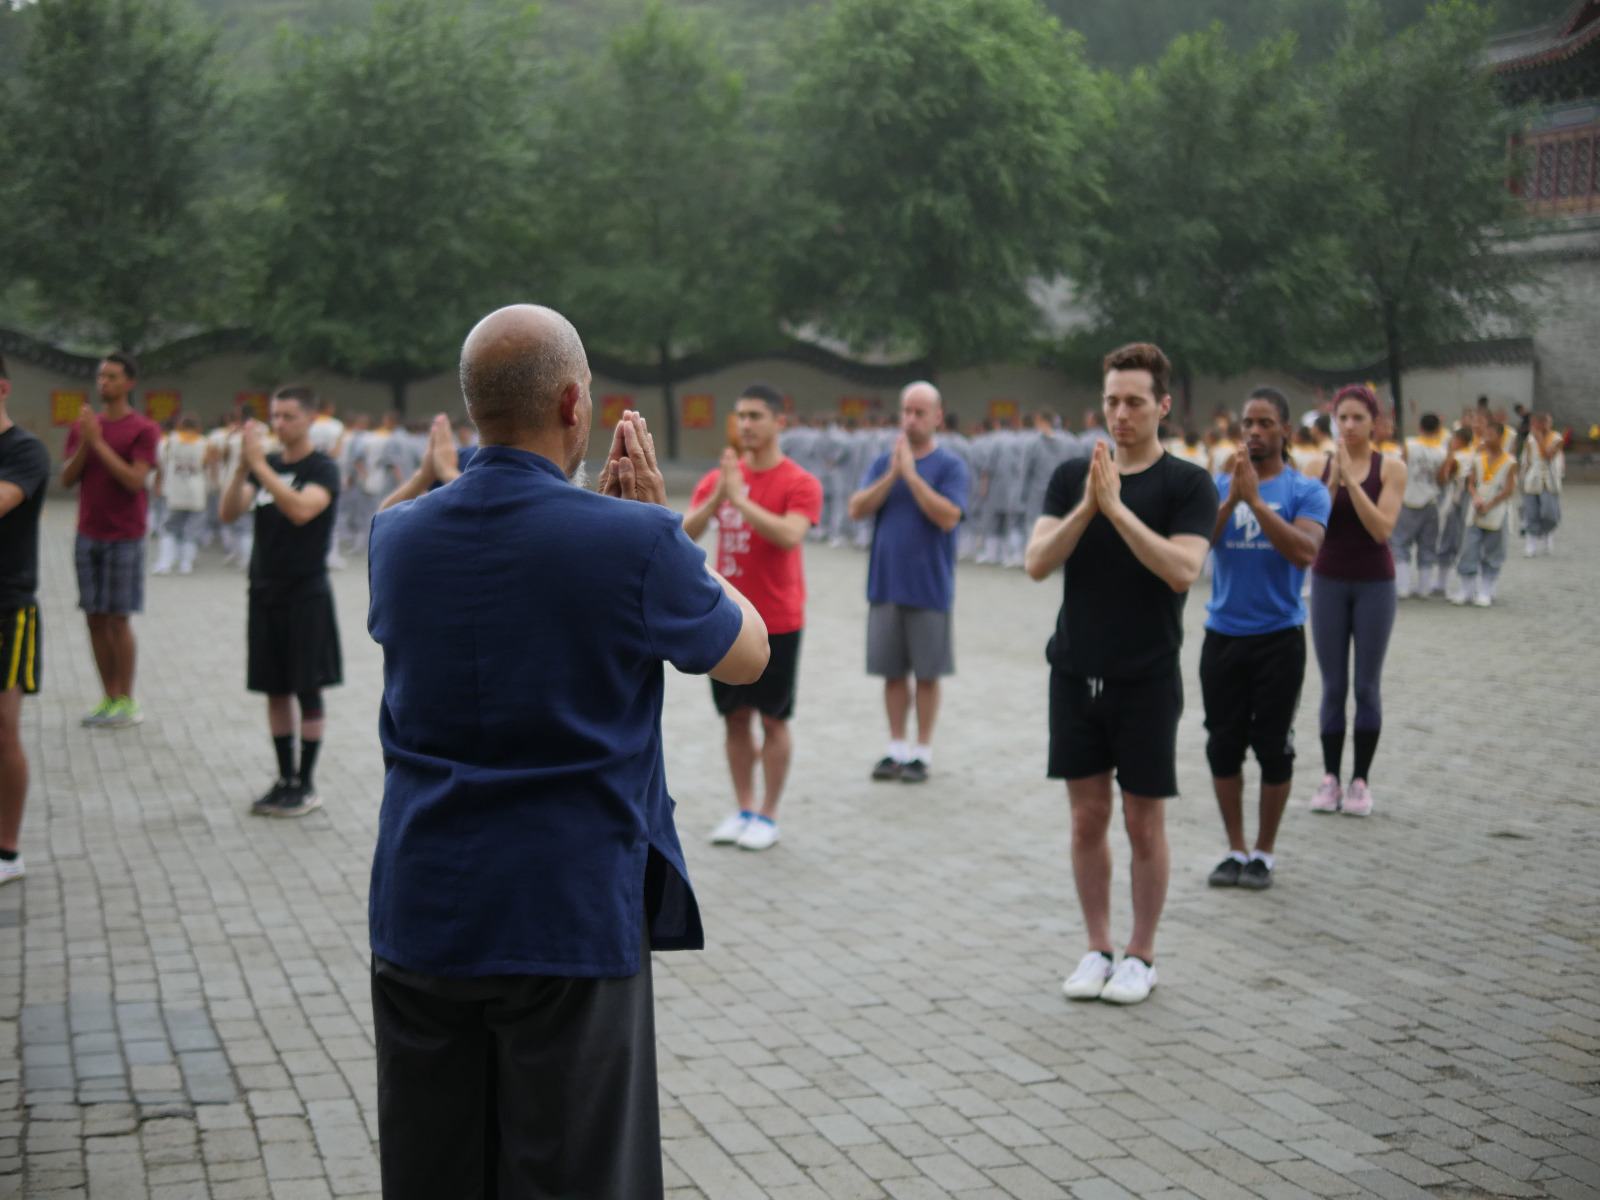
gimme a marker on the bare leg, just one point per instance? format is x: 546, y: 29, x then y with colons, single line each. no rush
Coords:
x: 897, y: 700
x: 927, y: 710
x: 1145, y: 819
x: 13, y: 768
x: 775, y: 752
x: 1274, y: 799
x: 105, y: 655
x: 124, y: 652
x: 1091, y: 855
x: 742, y: 758
x: 1230, y: 799
x: 280, y: 715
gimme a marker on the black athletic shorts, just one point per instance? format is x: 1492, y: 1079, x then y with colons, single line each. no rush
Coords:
x: 773, y: 694
x: 1126, y: 726
x: 294, y: 646
x: 1251, y: 689
x: 19, y: 648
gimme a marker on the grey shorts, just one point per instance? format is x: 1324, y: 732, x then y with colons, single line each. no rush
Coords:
x: 110, y: 576
x: 905, y: 641
x: 185, y: 525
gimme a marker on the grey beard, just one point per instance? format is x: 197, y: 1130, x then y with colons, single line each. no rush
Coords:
x: 580, y: 477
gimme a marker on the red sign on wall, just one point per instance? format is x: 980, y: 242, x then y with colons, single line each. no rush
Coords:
x: 64, y: 406
x: 162, y: 406
x: 612, y: 408
x: 254, y: 404
x: 1002, y: 410
x: 699, y: 412
x: 854, y: 408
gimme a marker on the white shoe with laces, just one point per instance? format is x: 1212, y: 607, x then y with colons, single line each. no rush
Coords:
x: 1131, y: 982
x: 11, y: 870
x: 730, y: 830
x: 1089, y: 980
x: 759, y: 834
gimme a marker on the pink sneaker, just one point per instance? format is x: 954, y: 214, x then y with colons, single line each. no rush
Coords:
x: 1358, y: 799
x: 1328, y: 797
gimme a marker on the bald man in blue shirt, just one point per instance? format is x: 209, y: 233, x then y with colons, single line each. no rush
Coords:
x: 527, y: 862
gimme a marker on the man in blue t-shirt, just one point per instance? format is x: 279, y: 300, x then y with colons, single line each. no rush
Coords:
x: 1268, y: 531
x: 918, y: 494
x: 526, y: 862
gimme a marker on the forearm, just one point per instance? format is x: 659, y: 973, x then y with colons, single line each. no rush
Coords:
x: 1372, y: 517
x: 781, y: 531
x: 870, y: 498
x: 417, y: 485
x: 236, y: 498
x: 1168, y: 562
x: 1294, y: 544
x: 1052, y: 544
x: 72, y: 469
x: 937, y: 508
x: 696, y: 519
x: 129, y: 475
x: 1224, y: 515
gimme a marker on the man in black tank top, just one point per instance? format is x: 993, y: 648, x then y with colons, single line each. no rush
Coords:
x: 1130, y: 527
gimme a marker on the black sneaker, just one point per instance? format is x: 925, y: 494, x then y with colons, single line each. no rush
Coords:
x: 1256, y: 876
x: 915, y: 771
x: 273, y: 798
x: 1226, y: 874
x: 887, y: 768
x: 293, y: 801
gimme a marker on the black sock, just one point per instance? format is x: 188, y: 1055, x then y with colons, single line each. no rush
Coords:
x: 8, y: 856
x: 308, y: 759
x: 1366, y: 746
x: 285, y: 749
x: 1332, y: 752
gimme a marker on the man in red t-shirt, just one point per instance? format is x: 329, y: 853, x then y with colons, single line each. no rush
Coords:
x: 112, y: 455
x: 764, y: 505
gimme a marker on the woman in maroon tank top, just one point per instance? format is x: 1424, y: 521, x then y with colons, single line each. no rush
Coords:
x: 1353, y: 595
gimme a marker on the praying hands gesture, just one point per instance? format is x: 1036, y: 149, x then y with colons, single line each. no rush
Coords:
x: 631, y: 471
x: 1245, y: 486
x: 1103, y: 491
x: 441, y: 461
x: 731, y: 487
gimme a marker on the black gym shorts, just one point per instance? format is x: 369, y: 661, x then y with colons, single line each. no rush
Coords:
x: 293, y: 646
x: 773, y: 694
x: 1251, y: 689
x: 1126, y: 726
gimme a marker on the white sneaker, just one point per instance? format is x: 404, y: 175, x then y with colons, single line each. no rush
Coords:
x: 1482, y: 600
x: 1532, y: 550
x: 1130, y: 983
x: 11, y: 870
x: 728, y: 832
x: 1089, y: 980
x: 1461, y: 597
x: 759, y: 834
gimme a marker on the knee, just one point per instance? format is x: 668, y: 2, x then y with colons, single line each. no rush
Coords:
x: 773, y: 727
x: 1090, y: 821
x: 1147, y: 831
x: 1226, y: 757
x: 310, y: 705
x: 1277, y: 767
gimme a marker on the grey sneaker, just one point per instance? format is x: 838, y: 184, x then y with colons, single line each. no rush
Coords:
x: 293, y: 801
x: 99, y: 714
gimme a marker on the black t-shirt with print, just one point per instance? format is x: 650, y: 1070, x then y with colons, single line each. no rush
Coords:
x: 25, y: 463
x: 1118, y: 619
x: 289, y: 561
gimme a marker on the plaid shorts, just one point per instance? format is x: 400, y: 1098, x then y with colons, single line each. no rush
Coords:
x: 110, y: 576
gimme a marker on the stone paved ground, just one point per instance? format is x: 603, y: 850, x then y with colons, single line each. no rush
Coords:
x: 1411, y: 1012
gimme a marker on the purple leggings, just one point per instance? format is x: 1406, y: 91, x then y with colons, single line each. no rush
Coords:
x: 1345, y: 611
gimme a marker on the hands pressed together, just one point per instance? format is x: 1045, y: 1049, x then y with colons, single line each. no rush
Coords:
x: 1245, y: 486
x: 1102, y: 491
x: 731, y: 487
x: 631, y: 471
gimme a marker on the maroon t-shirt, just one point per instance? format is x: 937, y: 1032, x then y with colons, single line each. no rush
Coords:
x: 107, y: 511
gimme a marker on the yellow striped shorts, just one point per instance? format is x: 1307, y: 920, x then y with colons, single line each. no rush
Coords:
x: 19, y: 648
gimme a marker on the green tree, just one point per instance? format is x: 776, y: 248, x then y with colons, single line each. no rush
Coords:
x: 658, y: 219
x: 110, y: 134
x: 935, y: 148
x: 397, y: 158
x: 1209, y: 237
x: 1423, y: 203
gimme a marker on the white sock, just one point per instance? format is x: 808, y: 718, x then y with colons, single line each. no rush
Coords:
x: 1263, y: 856
x: 1441, y: 577
x: 1402, y: 577
x: 1486, y: 584
x: 900, y: 751
x: 923, y: 754
x: 1239, y: 856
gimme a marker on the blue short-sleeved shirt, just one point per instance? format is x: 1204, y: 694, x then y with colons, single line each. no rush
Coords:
x: 913, y: 560
x: 526, y: 827
x: 1254, y: 589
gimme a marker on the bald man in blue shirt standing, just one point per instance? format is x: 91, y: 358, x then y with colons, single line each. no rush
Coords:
x: 527, y: 862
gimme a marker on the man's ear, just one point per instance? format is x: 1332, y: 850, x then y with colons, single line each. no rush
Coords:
x: 571, y: 396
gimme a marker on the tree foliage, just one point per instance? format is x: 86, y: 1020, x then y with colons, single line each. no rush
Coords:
x: 935, y: 146
x: 1210, y: 236
x: 110, y: 137
x: 1423, y: 203
x: 396, y: 162
x: 655, y: 211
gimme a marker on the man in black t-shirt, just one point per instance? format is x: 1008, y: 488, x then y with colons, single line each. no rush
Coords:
x: 24, y: 471
x: 1131, y: 527
x: 293, y: 637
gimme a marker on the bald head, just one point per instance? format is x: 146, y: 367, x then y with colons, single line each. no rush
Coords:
x: 922, y: 391
x: 921, y: 414
x: 515, y: 365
